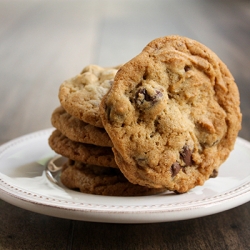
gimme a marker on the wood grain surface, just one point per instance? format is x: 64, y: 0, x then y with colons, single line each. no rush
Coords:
x: 42, y: 43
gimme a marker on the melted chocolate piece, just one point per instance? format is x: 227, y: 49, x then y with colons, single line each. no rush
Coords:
x: 187, y: 68
x: 142, y: 96
x: 214, y: 174
x: 186, y: 155
x: 175, y: 169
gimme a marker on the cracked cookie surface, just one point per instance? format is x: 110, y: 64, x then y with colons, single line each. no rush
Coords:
x: 81, y: 95
x: 99, y: 180
x: 172, y: 114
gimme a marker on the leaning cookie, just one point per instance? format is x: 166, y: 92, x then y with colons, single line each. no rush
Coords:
x: 172, y: 114
x: 79, y: 131
x: 87, y: 153
x: 81, y: 95
x: 101, y: 181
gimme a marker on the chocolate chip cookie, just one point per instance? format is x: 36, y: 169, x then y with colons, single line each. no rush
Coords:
x: 79, y: 131
x: 172, y: 114
x: 87, y: 153
x: 101, y: 181
x: 81, y: 95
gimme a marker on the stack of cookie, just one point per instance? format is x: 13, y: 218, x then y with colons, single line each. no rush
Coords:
x: 80, y: 137
x: 167, y: 119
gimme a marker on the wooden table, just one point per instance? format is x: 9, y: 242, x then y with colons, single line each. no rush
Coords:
x: 43, y: 43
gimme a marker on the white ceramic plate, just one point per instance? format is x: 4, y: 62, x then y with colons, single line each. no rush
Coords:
x: 23, y: 182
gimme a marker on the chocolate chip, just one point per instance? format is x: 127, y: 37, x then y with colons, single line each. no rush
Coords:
x: 145, y: 76
x: 186, y: 155
x: 187, y: 68
x: 175, y: 169
x: 142, y: 96
x: 177, y: 192
x: 71, y: 162
x: 214, y: 174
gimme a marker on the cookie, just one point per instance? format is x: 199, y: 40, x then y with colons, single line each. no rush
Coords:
x: 101, y: 181
x: 87, y: 153
x: 172, y: 114
x: 79, y: 131
x: 81, y: 95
